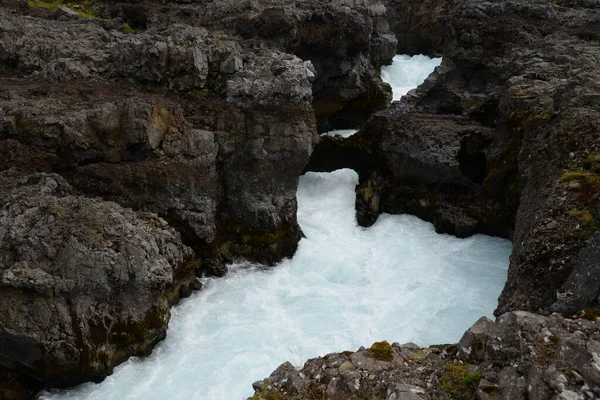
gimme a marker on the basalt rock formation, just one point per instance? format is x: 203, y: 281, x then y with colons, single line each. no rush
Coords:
x: 84, y: 283
x: 144, y: 144
x: 520, y: 356
x: 346, y: 41
x: 504, y: 139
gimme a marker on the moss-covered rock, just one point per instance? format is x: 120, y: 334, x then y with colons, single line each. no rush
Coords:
x: 381, y: 351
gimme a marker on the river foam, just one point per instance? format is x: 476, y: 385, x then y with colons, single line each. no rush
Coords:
x: 346, y: 286
x: 407, y: 72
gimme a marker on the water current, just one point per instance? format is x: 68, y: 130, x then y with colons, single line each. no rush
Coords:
x: 345, y: 287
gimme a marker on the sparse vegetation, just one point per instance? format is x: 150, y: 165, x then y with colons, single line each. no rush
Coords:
x: 580, y: 176
x: 586, y: 220
x: 458, y: 383
x: 83, y: 8
x: 128, y: 29
x: 267, y: 395
x: 591, y: 314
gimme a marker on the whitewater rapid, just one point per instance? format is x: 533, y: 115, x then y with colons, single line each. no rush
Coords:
x: 404, y: 74
x: 407, y: 72
x: 345, y: 287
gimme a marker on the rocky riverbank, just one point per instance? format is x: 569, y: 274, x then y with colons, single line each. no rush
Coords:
x: 501, y: 139
x: 520, y: 356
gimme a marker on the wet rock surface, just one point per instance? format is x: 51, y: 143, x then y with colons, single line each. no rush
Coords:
x: 520, y: 356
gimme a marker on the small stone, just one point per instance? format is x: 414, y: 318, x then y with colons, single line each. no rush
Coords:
x: 551, y: 225
x: 258, y: 385
x: 574, y: 185
x: 346, y: 366
x: 64, y: 11
x: 411, y: 346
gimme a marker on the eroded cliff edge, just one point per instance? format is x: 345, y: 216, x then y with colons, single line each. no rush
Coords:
x: 142, y: 145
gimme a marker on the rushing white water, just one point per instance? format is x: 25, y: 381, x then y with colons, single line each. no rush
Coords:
x: 406, y: 73
x: 346, y: 286
x: 342, y: 132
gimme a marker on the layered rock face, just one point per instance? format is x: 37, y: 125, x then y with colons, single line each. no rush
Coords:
x: 84, y: 283
x: 501, y: 139
x: 520, y: 356
x: 346, y: 41
x: 178, y: 122
x: 190, y: 154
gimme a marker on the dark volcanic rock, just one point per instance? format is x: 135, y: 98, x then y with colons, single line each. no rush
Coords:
x: 84, y: 283
x: 435, y: 168
x: 346, y: 41
x: 520, y: 356
x: 207, y: 160
x: 163, y: 109
x: 421, y: 27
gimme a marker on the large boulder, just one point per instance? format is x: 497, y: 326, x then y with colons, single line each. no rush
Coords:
x: 84, y: 283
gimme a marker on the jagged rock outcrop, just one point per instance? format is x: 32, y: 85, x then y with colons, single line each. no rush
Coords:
x: 347, y: 42
x: 189, y: 157
x: 421, y: 27
x: 502, y: 138
x: 84, y: 283
x: 520, y: 356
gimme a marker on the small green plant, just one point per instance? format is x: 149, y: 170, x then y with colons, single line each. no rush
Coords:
x: 267, y: 395
x: 83, y: 8
x: 458, y: 383
x: 492, y: 391
x: 580, y: 176
x: 128, y: 29
x: 51, y: 5
x: 585, y: 218
x: 591, y: 314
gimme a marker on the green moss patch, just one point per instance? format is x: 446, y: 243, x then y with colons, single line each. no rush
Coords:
x: 128, y: 29
x: 267, y: 395
x: 585, y: 219
x: 381, y: 351
x: 580, y: 176
x: 458, y: 383
x: 83, y: 8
